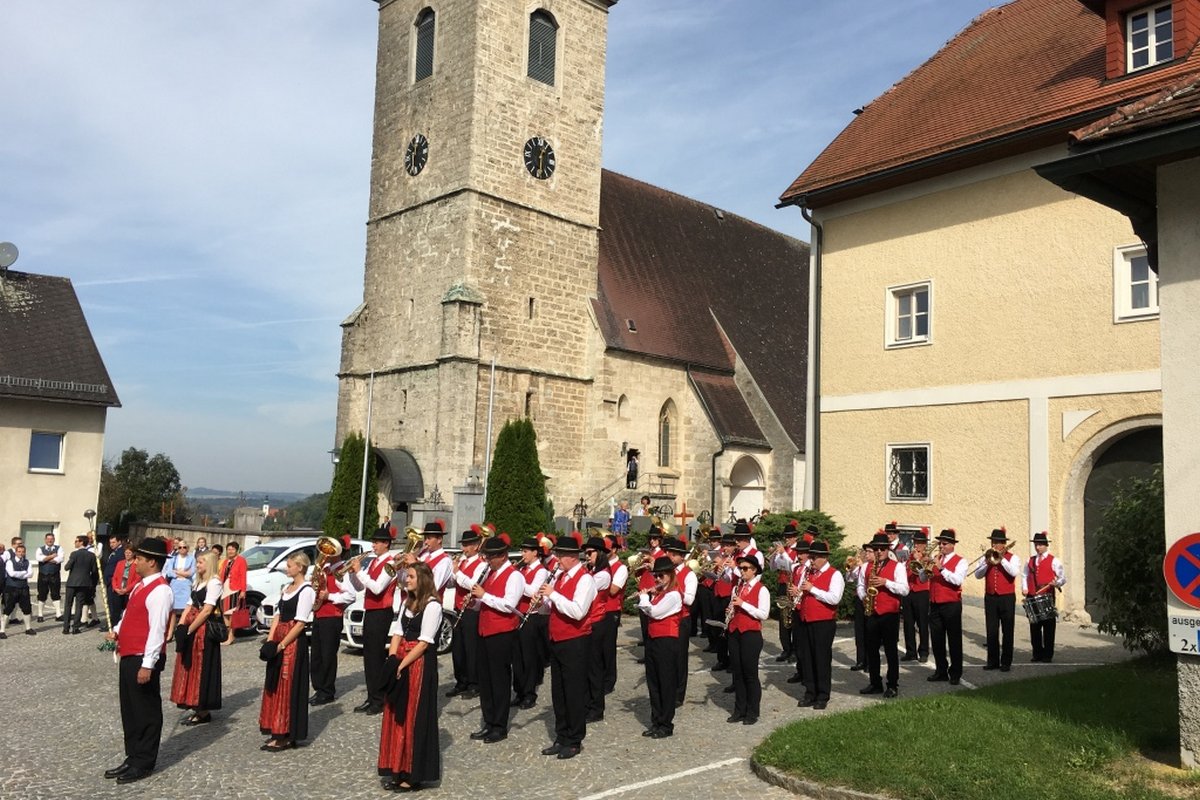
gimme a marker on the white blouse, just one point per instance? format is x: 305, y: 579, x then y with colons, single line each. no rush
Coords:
x: 212, y: 592
x: 304, y: 605
x: 429, y: 623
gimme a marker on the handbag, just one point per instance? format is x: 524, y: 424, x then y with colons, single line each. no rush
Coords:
x: 215, y: 629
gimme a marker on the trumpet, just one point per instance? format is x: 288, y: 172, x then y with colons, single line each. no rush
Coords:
x: 414, y: 540
x: 341, y: 571
x: 634, y: 563
x: 995, y: 555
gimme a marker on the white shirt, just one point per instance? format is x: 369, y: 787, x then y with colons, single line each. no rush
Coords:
x: 9, y: 567
x: 514, y: 585
x: 585, y: 595
x: 461, y: 578
x: 782, y: 561
x: 670, y: 604
x: 212, y: 592
x: 159, y: 602
x: 956, y: 576
x: 837, y: 586
x: 362, y: 579
x: 1060, y: 576
x: 899, y: 586
x: 602, y: 579
x: 761, y: 609
x: 689, y: 585
x: 619, y: 575
x: 55, y: 558
x: 304, y: 605
x: 1009, y: 563
x: 429, y: 623
x: 540, y: 576
x: 442, y: 572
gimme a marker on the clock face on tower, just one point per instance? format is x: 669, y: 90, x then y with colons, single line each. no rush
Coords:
x: 416, y: 155
x: 539, y: 158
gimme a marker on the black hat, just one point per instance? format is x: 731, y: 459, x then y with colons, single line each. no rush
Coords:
x: 596, y: 543
x: 999, y: 535
x: 674, y: 545
x: 530, y: 543
x: 569, y: 543
x: 496, y: 545
x: 921, y: 536
x: 948, y: 535
x: 741, y: 529
x: 818, y: 549
x: 655, y: 532
x: 728, y: 538
x: 891, y: 527
x: 1041, y: 538
x: 385, y: 533
x: 472, y: 535
x: 792, y: 528
x: 879, y: 542
x: 714, y: 533
x: 663, y: 564
x: 813, y: 529
x: 803, y: 546
x: 152, y: 547
x: 434, y: 528
x: 752, y: 561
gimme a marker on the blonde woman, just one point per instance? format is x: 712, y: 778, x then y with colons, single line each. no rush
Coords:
x: 284, y: 714
x: 196, y: 683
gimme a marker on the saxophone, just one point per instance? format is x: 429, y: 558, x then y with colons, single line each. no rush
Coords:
x: 872, y: 592
x: 731, y: 609
x: 787, y: 613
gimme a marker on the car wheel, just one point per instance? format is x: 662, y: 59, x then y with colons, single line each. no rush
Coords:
x: 446, y: 632
x: 253, y: 601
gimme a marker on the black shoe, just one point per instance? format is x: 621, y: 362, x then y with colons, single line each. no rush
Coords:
x: 782, y: 657
x: 892, y: 691
x: 91, y: 623
x: 857, y: 667
x: 1005, y: 668
x: 1035, y: 660
x: 750, y: 720
x: 937, y: 677
x: 456, y: 691
x: 528, y: 702
x: 469, y: 694
x: 679, y: 702
x: 720, y: 668
x: 595, y: 716
x: 66, y: 631
x: 76, y: 630
x: 495, y: 736
x: 871, y: 689
x: 41, y: 618
x: 990, y: 667
x: 32, y: 632
x: 569, y: 752
x: 660, y: 734
x: 363, y: 707
x: 649, y: 732
x: 820, y: 705
x: 729, y: 690
x: 909, y: 657
x: 736, y: 718
x: 3, y: 635
x: 641, y: 661
x: 373, y: 710
x: 710, y: 650
x: 954, y: 681
x: 133, y: 774
x: 320, y: 700
x: 58, y: 618
x: 552, y: 750
x: 923, y: 659
x: 805, y: 702
x: 117, y: 771
x: 482, y: 733
x: 797, y: 678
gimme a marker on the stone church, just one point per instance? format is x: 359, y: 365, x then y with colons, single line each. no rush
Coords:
x: 508, y: 274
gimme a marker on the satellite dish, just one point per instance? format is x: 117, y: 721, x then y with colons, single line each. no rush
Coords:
x: 8, y: 254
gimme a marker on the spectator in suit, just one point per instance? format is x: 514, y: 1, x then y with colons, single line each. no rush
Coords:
x: 81, y: 582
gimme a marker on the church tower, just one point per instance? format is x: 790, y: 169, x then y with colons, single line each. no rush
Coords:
x: 481, y: 238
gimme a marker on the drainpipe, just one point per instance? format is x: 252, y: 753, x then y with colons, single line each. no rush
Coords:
x: 712, y: 497
x: 812, y: 416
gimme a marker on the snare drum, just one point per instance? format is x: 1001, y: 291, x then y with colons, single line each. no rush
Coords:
x: 1040, y: 607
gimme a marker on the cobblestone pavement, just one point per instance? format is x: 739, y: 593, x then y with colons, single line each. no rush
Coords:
x: 62, y: 727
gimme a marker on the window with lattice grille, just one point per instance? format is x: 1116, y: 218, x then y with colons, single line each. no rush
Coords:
x: 908, y: 473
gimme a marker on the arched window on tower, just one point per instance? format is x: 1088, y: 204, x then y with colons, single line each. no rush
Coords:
x: 423, y: 66
x: 543, y: 36
x: 666, y: 420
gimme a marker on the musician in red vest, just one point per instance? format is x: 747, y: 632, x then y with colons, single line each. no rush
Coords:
x: 661, y: 605
x: 469, y: 570
x: 677, y: 551
x: 378, y: 585
x: 329, y: 608
x: 596, y: 556
x: 914, y: 610
x: 139, y: 637
x: 654, y: 539
x: 750, y: 605
x: 619, y: 576
x: 532, y: 652
x: 819, y: 596
x: 726, y: 571
x: 1043, y: 575
x: 945, y: 609
x: 800, y: 569
x: 570, y: 599
x: 889, y: 579
x: 999, y: 601
x: 497, y: 597
x: 783, y: 560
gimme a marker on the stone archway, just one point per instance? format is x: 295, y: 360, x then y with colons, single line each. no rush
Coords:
x: 1125, y: 449
x: 747, y: 487
x: 400, y: 481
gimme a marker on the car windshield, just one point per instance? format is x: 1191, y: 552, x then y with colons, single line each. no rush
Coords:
x: 260, y: 556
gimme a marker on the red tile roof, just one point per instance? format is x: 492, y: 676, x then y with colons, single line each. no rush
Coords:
x: 1017, y: 78
x: 727, y: 409
x: 703, y: 286
x: 1177, y: 102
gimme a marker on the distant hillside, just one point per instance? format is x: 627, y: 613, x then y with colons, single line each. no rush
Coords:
x: 251, y: 497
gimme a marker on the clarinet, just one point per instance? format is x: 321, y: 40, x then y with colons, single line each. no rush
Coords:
x: 536, y: 601
x: 471, y: 600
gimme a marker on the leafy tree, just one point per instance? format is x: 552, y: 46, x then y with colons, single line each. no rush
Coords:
x: 1131, y: 545
x: 516, y: 488
x: 309, y: 512
x: 341, y: 513
x: 146, y: 487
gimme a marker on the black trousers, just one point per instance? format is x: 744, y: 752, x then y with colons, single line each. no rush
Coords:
x: 945, y: 628
x: 701, y: 609
x: 999, y: 612
x: 323, y: 652
x: 73, y: 606
x: 463, y: 651
x: 116, y: 607
x: 915, y: 607
x: 141, y: 713
x: 819, y: 650
x: 17, y: 598
x: 568, y: 677
x: 660, y: 681
x: 495, y: 679
x: 613, y: 623
x: 1041, y: 635
x: 803, y: 660
x: 376, y: 623
x: 530, y: 656
x: 860, y: 632
x: 49, y: 584
x: 745, y: 647
x: 883, y: 630
x: 595, y: 667
x: 681, y: 660
x: 788, y: 635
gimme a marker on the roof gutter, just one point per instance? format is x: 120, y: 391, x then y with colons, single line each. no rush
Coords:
x: 812, y: 422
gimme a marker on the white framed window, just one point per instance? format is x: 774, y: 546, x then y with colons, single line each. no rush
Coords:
x: 46, y: 451
x: 1135, y: 285
x: 908, y: 473
x: 34, y: 534
x: 909, y: 314
x: 1149, y: 37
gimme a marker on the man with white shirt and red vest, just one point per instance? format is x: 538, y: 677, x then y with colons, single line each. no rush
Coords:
x: 433, y: 556
x: 379, y: 593
x: 889, y: 579
x: 897, y: 550
x: 469, y: 569
x: 661, y: 604
x: 999, y: 600
x: 529, y: 665
x: 914, y: 610
x: 654, y: 539
x: 677, y: 550
x: 497, y: 597
x: 570, y: 599
x: 945, y: 609
x: 783, y: 560
x: 139, y: 637
x: 618, y: 577
x: 800, y: 570
x: 819, y: 595
x: 726, y: 571
x: 743, y: 533
x: 1043, y: 575
x: 751, y: 604
x: 328, y: 609
x: 596, y: 560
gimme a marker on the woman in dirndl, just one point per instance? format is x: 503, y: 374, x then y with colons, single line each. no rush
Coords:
x: 284, y: 714
x: 196, y: 683
x: 409, y: 752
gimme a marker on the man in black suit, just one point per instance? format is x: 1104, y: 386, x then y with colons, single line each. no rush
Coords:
x: 82, y: 576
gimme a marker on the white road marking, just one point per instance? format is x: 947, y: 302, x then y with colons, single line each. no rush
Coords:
x: 967, y: 684
x: 662, y: 779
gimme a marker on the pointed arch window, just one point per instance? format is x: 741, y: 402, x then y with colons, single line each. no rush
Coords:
x: 543, y: 41
x: 666, y: 420
x: 424, y: 29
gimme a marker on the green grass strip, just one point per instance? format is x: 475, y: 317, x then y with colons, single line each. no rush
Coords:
x: 1067, y: 736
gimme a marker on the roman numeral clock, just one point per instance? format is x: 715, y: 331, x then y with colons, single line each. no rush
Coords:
x: 539, y: 158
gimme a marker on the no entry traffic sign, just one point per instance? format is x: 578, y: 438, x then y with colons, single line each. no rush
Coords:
x: 1181, y: 568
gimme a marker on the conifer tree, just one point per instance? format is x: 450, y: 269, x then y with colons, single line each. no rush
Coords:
x: 341, y: 515
x: 516, y: 488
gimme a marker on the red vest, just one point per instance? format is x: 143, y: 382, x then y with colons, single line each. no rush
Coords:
x: 812, y: 609
x: 667, y: 626
x: 1040, y: 575
x: 797, y: 572
x: 940, y: 589
x: 999, y: 582
x: 135, y: 623
x: 915, y: 584
x: 563, y: 627
x: 724, y: 585
x: 469, y: 568
x: 645, y: 579
x: 492, y: 621
x: 327, y: 608
x: 614, y: 601
x: 742, y: 621
x: 551, y: 563
x: 376, y: 602
x: 599, y: 603
x: 432, y: 564
x: 528, y: 572
x: 885, y: 601
x: 681, y: 581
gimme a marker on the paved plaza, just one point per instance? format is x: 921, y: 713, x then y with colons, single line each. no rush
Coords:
x: 62, y: 728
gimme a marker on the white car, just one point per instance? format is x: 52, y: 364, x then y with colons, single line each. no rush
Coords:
x: 353, y: 619
x: 265, y: 576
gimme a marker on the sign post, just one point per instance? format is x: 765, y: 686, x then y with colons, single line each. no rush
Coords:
x: 1181, y: 570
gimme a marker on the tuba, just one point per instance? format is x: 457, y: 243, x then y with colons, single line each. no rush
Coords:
x: 414, y: 539
x: 327, y: 548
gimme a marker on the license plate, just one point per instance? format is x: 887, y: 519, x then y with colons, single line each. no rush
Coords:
x: 356, y: 630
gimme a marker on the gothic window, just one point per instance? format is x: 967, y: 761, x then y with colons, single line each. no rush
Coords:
x: 666, y: 420
x: 622, y: 407
x: 424, y: 37
x: 543, y: 34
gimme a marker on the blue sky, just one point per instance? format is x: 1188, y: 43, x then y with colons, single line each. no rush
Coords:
x: 200, y: 171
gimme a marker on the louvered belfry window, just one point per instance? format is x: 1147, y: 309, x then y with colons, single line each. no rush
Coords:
x: 543, y: 34
x: 424, y: 62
